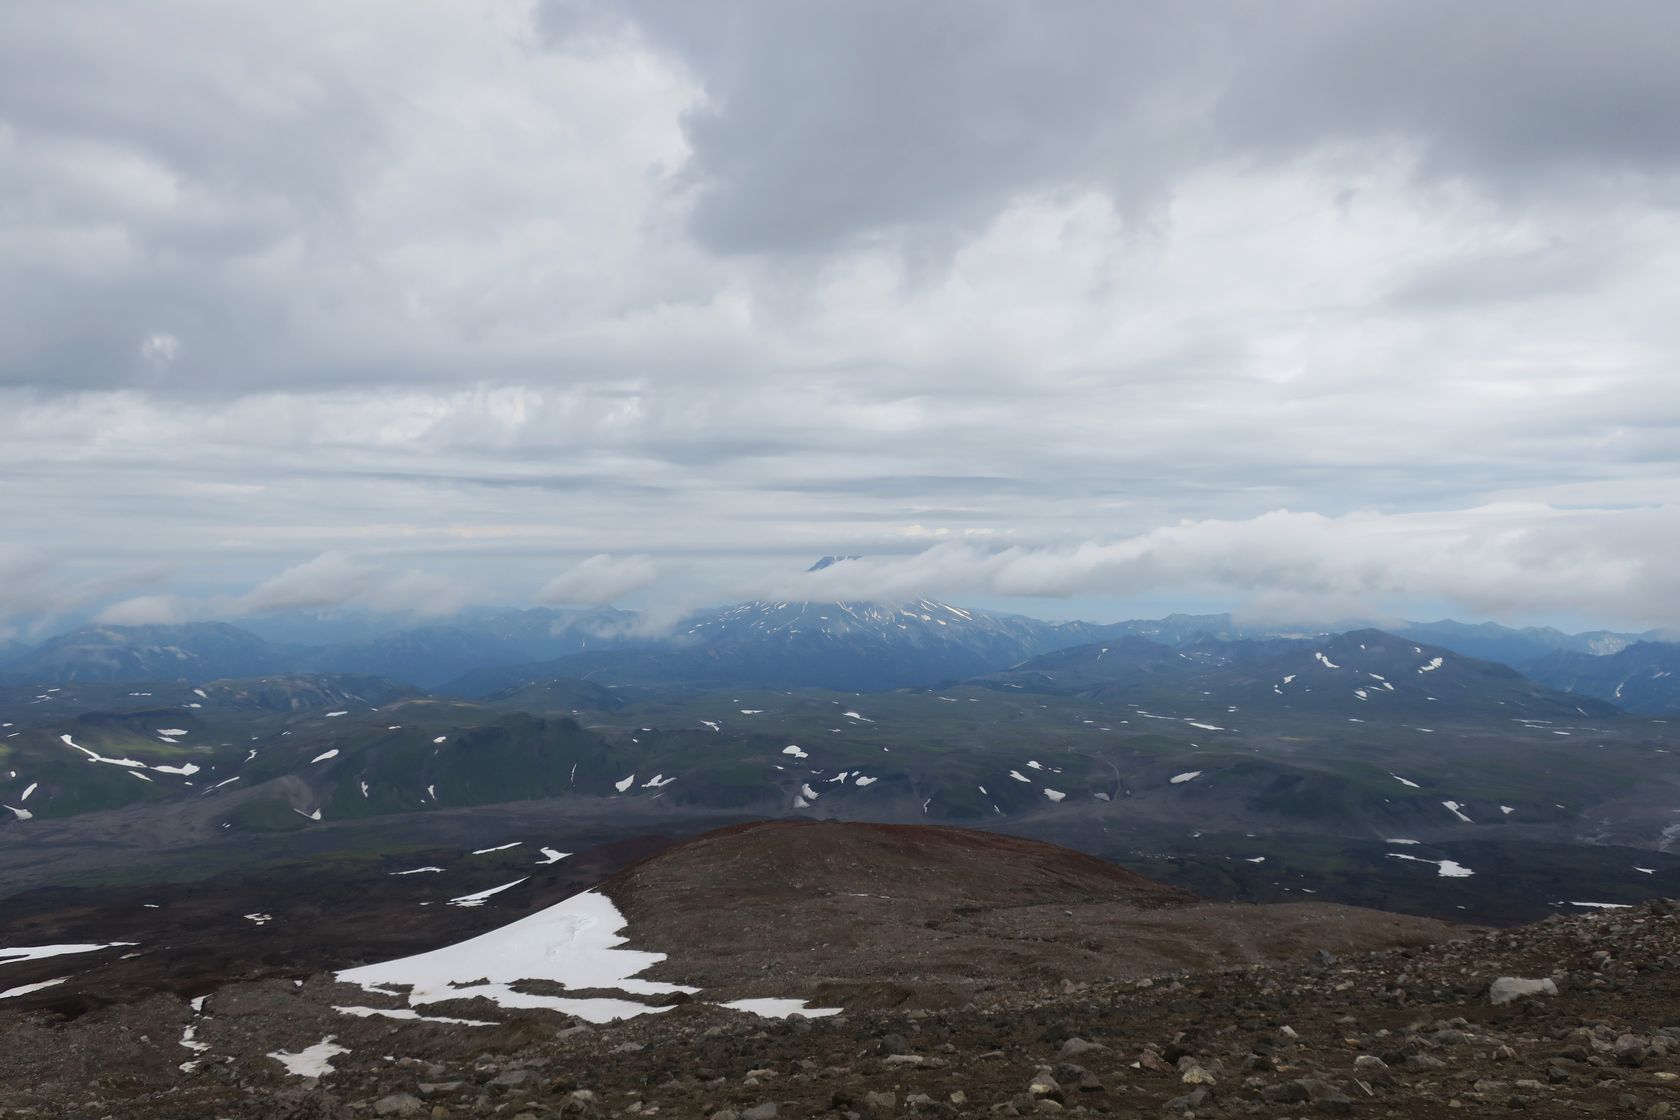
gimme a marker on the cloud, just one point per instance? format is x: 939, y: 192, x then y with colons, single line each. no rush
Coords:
x: 338, y: 579
x: 826, y: 123
x: 446, y: 297
x: 599, y: 580
x: 329, y: 580
x: 1501, y: 560
x: 40, y: 589
x: 1509, y: 561
x: 160, y: 349
x: 144, y: 610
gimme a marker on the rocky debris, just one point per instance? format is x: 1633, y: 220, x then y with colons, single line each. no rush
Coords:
x: 1406, y: 1032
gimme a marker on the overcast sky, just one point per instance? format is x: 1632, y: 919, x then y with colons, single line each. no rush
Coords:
x: 1308, y: 309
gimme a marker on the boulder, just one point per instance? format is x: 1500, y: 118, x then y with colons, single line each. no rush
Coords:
x: 1508, y: 988
x: 398, y: 1104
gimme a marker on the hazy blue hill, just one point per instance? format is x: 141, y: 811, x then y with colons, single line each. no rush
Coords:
x: 1643, y: 677
x: 197, y: 651
x: 296, y: 692
x: 1360, y: 675
x: 1122, y: 661
x: 1516, y: 648
x: 549, y: 632
x: 426, y: 657
x: 1370, y: 674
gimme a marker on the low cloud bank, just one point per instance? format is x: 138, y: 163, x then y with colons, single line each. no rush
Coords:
x: 1500, y: 561
x: 1509, y: 561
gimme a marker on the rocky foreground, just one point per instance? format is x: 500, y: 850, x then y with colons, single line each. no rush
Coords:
x: 1407, y: 1032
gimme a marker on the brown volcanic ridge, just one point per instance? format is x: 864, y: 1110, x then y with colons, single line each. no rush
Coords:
x: 877, y: 915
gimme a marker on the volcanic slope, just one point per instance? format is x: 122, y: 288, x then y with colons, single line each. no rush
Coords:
x: 1096, y: 990
x: 867, y: 914
x: 963, y: 963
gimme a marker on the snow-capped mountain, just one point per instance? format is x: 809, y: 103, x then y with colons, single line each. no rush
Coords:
x: 841, y: 645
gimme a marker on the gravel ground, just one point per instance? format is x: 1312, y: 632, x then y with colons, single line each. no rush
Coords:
x: 1286, y: 1024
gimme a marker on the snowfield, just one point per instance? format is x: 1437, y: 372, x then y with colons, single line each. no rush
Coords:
x: 575, y: 943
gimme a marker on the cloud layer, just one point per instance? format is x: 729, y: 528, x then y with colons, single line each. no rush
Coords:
x: 416, y: 301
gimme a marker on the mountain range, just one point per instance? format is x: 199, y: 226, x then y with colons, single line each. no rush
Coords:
x: 840, y: 645
x: 1354, y: 676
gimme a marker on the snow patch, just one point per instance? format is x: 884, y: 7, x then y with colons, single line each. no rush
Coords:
x: 779, y: 1008
x: 43, y: 952
x: 468, y: 901
x: 1445, y: 868
x: 311, y: 1061
x: 25, y: 989
x: 497, y: 848
x: 410, y: 1014
x: 574, y: 943
x: 95, y: 756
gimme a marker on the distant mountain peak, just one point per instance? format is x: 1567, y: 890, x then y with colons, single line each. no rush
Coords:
x: 829, y: 562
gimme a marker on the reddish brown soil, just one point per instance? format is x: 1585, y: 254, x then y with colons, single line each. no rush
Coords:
x: 869, y: 915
